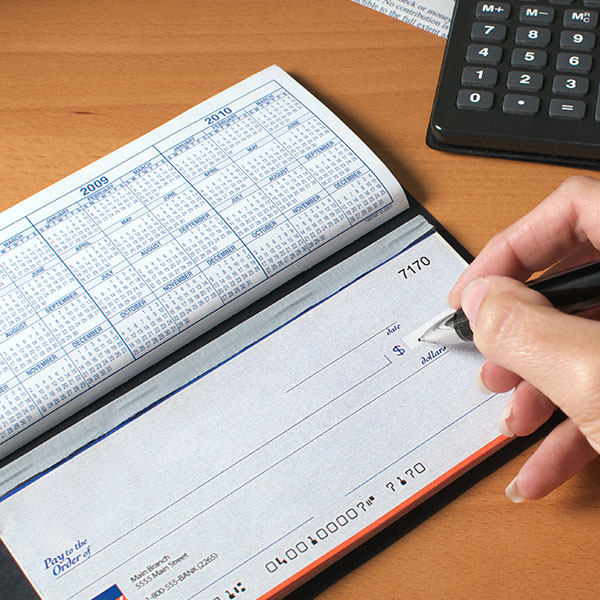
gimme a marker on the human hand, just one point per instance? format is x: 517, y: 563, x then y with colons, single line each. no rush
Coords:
x: 550, y: 359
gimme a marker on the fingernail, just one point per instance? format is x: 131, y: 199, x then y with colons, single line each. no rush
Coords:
x: 481, y: 386
x: 472, y: 296
x: 503, y: 425
x: 511, y: 492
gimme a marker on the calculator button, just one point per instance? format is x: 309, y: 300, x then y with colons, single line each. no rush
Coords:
x: 485, y: 55
x: 482, y: 32
x: 598, y: 105
x: 520, y: 105
x: 570, y: 86
x: 562, y: 1
x: 567, y: 109
x: 492, y: 11
x: 573, y: 63
x: 482, y: 76
x: 577, y: 40
x: 532, y: 59
x: 532, y: 36
x: 475, y: 99
x: 591, y: 3
x: 536, y: 15
x: 580, y: 19
x: 521, y: 80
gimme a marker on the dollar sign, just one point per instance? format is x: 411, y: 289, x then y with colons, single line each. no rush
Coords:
x: 399, y: 350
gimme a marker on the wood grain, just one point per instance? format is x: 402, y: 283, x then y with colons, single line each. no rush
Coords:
x: 79, y: 79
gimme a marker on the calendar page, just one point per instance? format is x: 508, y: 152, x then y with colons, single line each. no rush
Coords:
x: 112, y: 268
x: 249, y: 479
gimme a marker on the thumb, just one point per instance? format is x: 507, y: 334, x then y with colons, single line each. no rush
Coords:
x: 518, y: 329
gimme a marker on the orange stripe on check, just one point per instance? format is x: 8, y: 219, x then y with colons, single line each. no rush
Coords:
x: 362, y: 536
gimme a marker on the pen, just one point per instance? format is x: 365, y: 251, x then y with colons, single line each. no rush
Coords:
x: 570, y: 291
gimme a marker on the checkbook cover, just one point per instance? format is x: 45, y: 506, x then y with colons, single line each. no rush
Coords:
x: 402, y: 236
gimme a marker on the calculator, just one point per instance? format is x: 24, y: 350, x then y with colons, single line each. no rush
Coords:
x: 521, y: 80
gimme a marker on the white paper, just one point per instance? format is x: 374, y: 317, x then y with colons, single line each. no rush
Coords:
x: 112, y: 268
x: 270, y: 462
x: 433, y: 16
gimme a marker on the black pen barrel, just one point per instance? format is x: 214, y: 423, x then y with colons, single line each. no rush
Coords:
x: 572, y: 291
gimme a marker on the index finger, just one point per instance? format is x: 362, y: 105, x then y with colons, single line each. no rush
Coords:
x: 564, y: 221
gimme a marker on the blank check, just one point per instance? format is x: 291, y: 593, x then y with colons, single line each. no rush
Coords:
x: 271, y: 465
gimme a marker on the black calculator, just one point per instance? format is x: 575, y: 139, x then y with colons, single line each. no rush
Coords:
x: 521, y: 80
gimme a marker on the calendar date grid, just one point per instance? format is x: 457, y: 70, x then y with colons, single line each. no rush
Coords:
x: 167, y: 243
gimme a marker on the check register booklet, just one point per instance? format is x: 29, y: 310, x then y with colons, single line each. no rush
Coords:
x: 307, y: 438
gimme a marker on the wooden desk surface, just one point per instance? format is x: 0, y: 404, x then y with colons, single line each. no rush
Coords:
x: 79, y: 79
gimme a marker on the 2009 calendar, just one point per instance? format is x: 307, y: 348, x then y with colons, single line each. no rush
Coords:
x: 112, y: 268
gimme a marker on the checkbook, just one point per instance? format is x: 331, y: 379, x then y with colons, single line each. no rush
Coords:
x: 313, y: 419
